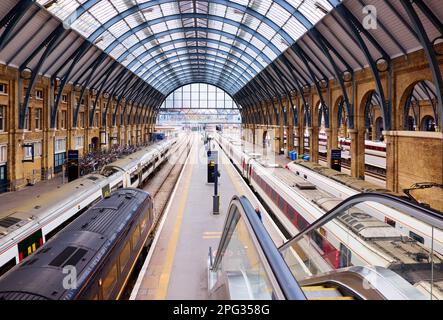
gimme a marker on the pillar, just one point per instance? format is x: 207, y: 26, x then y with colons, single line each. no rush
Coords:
x: 357, y: 153
x: 290, y: 139
x: 329, y: 146
x: 313, y: 144
x: 299, y: 139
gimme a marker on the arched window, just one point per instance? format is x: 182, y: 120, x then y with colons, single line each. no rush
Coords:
x: 422, y: 99
x: 428, y: 123
x: 199, y: 102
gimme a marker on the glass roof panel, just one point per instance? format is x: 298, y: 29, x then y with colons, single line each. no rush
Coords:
x: 275, y: 21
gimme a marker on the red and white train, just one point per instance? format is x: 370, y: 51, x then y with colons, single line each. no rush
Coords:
x: 375, y: 153
x: 360, y: 239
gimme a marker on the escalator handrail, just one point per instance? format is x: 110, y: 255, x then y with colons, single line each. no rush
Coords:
x: 288, y: 284
x: 423, y: 214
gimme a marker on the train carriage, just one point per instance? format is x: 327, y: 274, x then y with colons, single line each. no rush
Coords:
x: 92, y: 258
x: 25, y: 228
x: 361, y: 238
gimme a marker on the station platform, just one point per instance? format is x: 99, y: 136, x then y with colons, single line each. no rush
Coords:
x: 13, y: 199
x: 176, y: 265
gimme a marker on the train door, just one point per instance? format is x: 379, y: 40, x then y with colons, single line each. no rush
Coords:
x: 29, y: 245
x: 3, y: 179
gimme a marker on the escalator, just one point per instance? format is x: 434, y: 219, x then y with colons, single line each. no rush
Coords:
x: 354, y: 252
x: 247, y: 264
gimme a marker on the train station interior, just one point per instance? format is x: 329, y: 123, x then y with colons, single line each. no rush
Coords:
x: 221, y: 150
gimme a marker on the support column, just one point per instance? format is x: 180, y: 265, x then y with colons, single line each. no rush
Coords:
x: 334, y: 138
x: 357, y: 154
x: 329, y: 146
x: 300, y: 139
x: 290, y: 139
x: 313, y: 144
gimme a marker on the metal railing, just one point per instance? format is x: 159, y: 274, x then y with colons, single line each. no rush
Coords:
x: 423, y: 214
x: 274, y: 260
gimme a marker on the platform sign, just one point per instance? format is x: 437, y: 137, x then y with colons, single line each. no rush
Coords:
x: 72, y: 165
x: 212, y: 161
x: 336, y: 159
x: 73, y: 155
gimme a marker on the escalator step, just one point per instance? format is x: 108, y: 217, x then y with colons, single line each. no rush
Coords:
x: 321, y: 292
x: 316, y: 288
x: 333, y: 298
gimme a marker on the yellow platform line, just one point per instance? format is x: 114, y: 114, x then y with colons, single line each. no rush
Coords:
x: 172, y: 245
x: 212, y: 232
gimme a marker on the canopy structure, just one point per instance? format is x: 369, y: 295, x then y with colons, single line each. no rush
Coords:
x: 255, y: 50
x: 171, y: 43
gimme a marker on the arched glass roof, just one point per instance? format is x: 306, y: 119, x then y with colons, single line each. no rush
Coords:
x: 171, y: 43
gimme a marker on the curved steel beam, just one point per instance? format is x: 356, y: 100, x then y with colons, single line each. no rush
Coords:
x: 221, y: 43
x: 189, y: 74
x: 185, y: 49
x: 187, y: 62
x: 217, y: 66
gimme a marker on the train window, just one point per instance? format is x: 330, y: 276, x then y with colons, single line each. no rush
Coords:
x: 345, y: 256
x: 143, y: 224
x: 416, y: 237
x: 124, y: 255
x: 134, y: 178
x: 290, y: 212
x: 269, y: 190
x: 6, y: 267
x: 318, y: 239
x: 274, y: 196
x: 301, y: 223
x: 109, y: 281
x: 135, y: 237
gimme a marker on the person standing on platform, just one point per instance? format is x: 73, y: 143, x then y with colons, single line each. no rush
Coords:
x: 257, y: 211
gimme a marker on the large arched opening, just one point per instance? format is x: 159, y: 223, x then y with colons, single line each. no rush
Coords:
x: 197, y: 105
x: 420, y: 111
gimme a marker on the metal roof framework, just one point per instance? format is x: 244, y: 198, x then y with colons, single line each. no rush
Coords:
x: 339, y: 45
x: 139, y: 51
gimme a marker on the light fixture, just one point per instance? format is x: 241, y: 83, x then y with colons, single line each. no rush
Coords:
x: 347, y: 76
x: 438, y: 45
x: 382, y: 65
x: 26, y: 73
